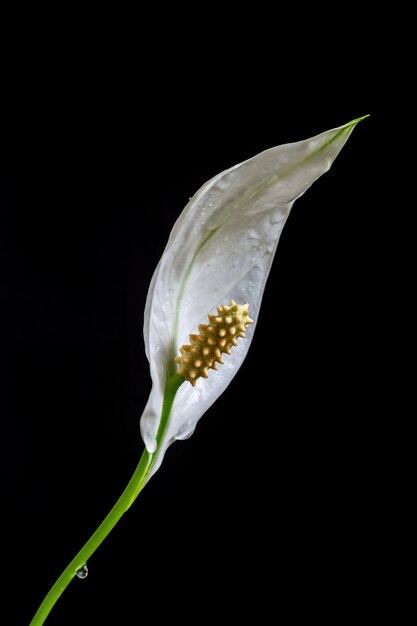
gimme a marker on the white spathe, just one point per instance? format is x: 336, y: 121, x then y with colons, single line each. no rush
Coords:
x: 222, y: 247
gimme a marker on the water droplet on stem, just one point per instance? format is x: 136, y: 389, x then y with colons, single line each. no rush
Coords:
x: 82, y: 572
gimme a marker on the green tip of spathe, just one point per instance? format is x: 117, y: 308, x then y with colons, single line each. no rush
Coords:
x: 358, y: 119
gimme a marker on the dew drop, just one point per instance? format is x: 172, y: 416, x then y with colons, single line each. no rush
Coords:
x: 276, y: 218
x: 253, y: 259
x: 82, y: 572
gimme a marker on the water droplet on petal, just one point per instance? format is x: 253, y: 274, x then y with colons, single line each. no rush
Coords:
x: 253, y: 235
x: 270, y: 248
x: 278, y: 217
x: 253, y: 259
x: 82, y: 572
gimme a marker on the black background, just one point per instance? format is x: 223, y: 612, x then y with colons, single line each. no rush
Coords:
x: 281, y: 473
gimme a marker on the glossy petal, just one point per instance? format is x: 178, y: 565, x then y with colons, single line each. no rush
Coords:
x: 222, y: 247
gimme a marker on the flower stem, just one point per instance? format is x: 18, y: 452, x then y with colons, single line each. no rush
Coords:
x: 133, y: 489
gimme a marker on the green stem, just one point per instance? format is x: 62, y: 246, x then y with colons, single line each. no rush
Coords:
x: 133, y: 489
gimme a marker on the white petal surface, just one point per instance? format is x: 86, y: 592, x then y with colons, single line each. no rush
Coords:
x: 221, y: 247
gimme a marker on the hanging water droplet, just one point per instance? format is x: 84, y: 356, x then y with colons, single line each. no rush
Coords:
x: 82, y: 572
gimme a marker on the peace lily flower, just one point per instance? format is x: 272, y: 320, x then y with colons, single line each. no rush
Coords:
x: 220, y: 249
x: 204, y: 301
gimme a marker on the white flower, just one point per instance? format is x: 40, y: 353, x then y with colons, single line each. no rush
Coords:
x: 221, y: 248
